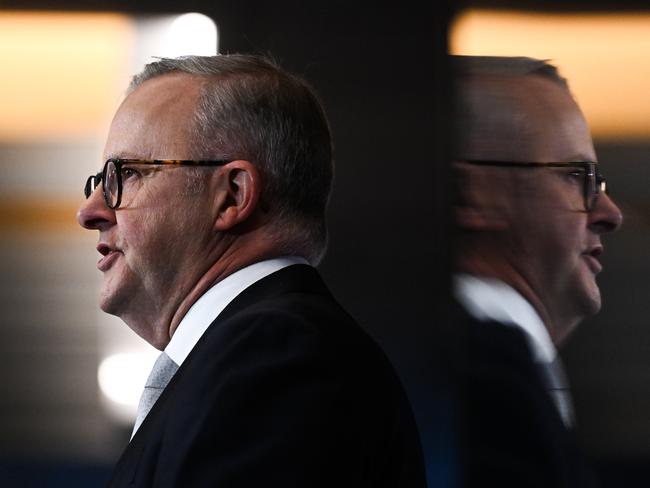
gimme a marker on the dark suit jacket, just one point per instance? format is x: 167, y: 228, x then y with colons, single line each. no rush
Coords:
x: 513, y: 434
x: 283, y: 390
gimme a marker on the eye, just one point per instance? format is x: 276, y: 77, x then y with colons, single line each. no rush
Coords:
x: 129, y: 173
x: 576, y: 176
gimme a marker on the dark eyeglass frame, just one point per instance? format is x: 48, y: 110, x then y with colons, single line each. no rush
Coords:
x: 93, y: 181
x: 590, y: 171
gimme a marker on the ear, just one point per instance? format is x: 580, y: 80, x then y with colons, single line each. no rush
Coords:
x: 483, y: 202
x: 238, y: 192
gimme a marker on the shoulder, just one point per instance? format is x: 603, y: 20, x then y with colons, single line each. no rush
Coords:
x: 491, y: 342
x: 289, y: 328
x: 512, y: 433
x: 287, y: 365
x: 292, y: 307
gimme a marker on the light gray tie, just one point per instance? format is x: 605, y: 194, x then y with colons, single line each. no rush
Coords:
x: 558, y: 387
x: 163, y: 370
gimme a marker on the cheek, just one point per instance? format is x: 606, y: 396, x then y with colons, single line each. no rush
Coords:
x: 173, y: 233
x: 141, y: 237
x: 551, y: 242
x: 572, y: 232
x: 564, y: 244
x: 155, y: 237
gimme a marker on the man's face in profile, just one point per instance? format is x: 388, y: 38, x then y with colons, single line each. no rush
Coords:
x: 552, y: 242
x: 154, y: 244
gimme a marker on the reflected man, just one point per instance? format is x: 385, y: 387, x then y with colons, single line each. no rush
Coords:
x: 532, y: 208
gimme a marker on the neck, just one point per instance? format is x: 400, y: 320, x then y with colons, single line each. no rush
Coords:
x: 482, y: 266
x: 235, y: 257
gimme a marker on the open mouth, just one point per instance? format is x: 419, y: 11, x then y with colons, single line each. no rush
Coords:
x: 108, y: 257
x: 591, y: 256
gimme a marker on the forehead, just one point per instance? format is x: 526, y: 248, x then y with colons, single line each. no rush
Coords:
x: 520, y: 118
x: 156, y: 120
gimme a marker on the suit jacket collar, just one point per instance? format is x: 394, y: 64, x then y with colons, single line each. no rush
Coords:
x: 199, y: 317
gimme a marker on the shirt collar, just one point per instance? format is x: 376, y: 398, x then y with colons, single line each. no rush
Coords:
x: 492, y: 299
x: 199, y: 317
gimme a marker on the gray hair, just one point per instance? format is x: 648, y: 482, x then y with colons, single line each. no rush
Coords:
x: 504, y: 66
x: 250, y: 108
x: 477, y: 105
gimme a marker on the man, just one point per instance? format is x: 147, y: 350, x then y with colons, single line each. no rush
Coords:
x: 531, y: 210
x: 211, y: 212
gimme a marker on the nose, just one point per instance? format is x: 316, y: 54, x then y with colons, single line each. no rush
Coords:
x: 605, y: 216
x: 94, y: 214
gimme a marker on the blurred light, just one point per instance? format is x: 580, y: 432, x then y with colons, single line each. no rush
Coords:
x: 171, y: 36
x: 191, y: 34
x: 59, y: 73
x: 121, y: 380
x: 64, y: 73
x: 603, y: 56
x: 32, y: 214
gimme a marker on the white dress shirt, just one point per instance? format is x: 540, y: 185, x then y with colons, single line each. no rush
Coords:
x: 212, y: 302
x: 491, y: 299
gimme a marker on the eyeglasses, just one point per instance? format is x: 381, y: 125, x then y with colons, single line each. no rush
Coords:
x: 111, y: 175
x: 593, y: 184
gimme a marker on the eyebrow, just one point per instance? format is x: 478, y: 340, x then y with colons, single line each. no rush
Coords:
x: 123, y: 155
x: 581, y: 158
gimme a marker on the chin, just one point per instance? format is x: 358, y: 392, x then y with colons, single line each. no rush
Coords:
x: 586, y: 297
x: 112, y: 299
x: 585, y: 304
x: 108, y: 305
x: 593, y: 300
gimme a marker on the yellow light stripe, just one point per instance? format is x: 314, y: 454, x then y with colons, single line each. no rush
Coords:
x: 23, y: 214
x: 603, y: 56
x: 61, y: 73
